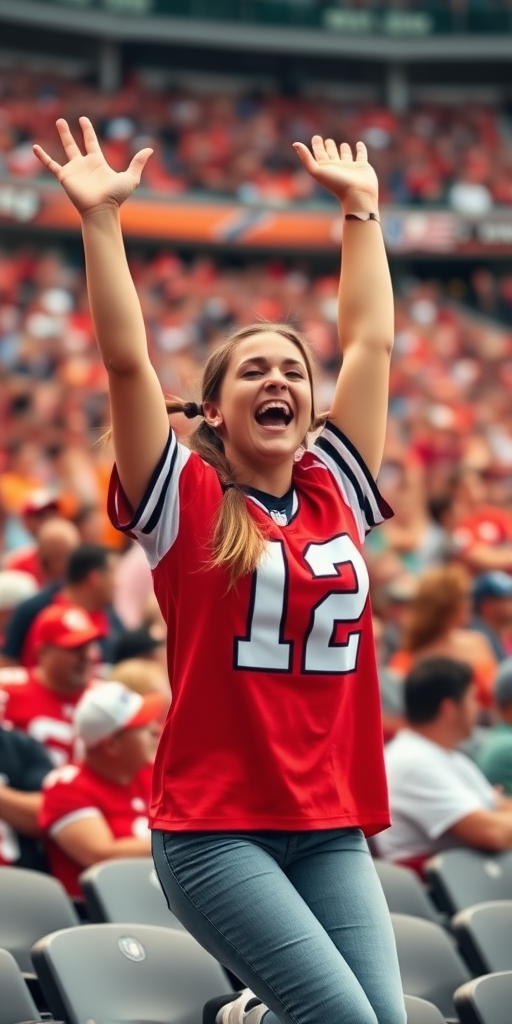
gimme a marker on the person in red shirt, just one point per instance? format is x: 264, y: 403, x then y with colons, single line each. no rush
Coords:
x: 270, y: 768
x: 481, y: 533
x: 98, y: 810
x: 42, y: 701
x: 40, y: 505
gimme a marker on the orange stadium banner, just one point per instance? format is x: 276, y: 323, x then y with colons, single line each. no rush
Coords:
x: 190, y: 221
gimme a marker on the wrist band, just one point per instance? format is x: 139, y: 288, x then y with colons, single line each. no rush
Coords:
x: 362, y: 216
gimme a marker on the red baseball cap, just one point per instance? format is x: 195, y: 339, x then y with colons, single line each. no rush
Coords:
x: 40, y: 501
x: 65, y: 626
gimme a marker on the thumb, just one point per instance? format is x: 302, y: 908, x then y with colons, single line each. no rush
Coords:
x: 306, y: 157
x: 138, y: 163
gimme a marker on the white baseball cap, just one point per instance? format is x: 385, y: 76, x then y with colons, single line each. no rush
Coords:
x: 107, y: 708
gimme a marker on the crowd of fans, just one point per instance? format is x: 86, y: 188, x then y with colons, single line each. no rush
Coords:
x: 76, y: 600
x: 240, y: 145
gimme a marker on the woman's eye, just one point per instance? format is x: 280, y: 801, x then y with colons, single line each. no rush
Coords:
x: 251, y: 373
x: 295, y: 373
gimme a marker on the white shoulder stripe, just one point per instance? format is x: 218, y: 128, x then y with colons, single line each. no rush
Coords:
x: 69, y: 819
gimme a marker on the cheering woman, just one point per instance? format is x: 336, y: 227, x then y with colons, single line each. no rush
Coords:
x: 269, y: 772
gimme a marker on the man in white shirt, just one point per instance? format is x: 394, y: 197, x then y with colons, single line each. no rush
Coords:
x: 439, y: 798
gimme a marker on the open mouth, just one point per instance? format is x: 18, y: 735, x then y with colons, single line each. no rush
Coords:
x: 274, y: 414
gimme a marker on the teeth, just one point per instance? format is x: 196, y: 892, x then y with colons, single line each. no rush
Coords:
x: 274, y: 405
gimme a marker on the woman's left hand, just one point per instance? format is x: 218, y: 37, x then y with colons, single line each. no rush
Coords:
x: 336, y: 169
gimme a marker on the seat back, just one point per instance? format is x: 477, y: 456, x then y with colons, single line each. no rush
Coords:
x: 462, y: 878
x: 404, y: 892
x: 484, y: 935
x: 486, y: 1000
x: 126, y: 890
x: 430, y: 965
x: 32, y: 905
x: 421, y: 1012
x: 16, y: 1003
x: 123, y: 972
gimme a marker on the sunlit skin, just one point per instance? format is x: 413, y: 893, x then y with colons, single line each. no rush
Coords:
x: 124, y: 753
x: 264, y: 367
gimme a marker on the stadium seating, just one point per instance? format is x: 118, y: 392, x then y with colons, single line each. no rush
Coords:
x: 421, y: 1012
x: 32, y: 905
x: 16, y: 1003
x: 430, y: 965
x: 162, y: 975
x: 463, y: 878
x: 404, y: 892
x: 484, y: 935
x: 486, y: 1000
x: 126, y: 890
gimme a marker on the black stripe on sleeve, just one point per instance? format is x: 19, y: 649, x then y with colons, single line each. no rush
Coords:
x: 334, y: 454
x: 152, y: 483
x: 385, y: 510
x: 157, y: 511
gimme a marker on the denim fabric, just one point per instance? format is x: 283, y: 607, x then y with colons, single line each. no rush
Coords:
x: 299, y: 917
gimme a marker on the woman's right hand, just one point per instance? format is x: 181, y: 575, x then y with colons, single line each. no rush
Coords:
x: 87, y: 179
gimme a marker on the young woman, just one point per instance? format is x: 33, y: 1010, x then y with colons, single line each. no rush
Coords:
x: 270, y: 771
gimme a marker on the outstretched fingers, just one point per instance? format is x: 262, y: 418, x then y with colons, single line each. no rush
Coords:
x: 138, y: 163
x: 46, y: 160
x: 91, y: 143
x: 68, y: 143
x: 361, y: 153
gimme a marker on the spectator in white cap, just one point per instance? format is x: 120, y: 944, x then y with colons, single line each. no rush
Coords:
x: 494, y: 757
x: 98, y: 810
x: 492, y: 600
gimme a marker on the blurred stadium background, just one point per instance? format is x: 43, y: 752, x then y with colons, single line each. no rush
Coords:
x: 227, y: 227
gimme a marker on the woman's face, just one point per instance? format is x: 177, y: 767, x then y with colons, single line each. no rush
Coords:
x: 264, y: 408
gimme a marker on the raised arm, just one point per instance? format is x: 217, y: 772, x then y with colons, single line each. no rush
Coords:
x: 365, y: 300
x: 140, y: 424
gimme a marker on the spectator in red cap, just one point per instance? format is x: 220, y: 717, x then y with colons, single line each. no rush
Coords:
x: 41, y: 701
x: 98, y: 810
x: 89, y: 584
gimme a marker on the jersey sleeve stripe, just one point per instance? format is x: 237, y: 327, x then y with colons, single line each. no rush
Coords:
x: 69, y: 819
x: 157, y: 511
x: 158, y: 479
x: 358, y: 482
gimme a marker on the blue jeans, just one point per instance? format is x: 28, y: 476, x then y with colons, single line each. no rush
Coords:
x: 299, y: 917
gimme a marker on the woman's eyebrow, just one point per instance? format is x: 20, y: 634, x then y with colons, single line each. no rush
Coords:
x: 262, y: 361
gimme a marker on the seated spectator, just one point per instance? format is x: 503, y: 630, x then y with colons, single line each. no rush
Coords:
x: 436, y: 624
x: 41, y: 701
x: 492, y: 601
x: 98, y: 810
x: 481, y: 533
x: 438, y: 797
x: 24, y: 763
x: 136, y: 643
x: 494, y: 756
x: 15, y: 587
x: 88, y: 584
x: 39, y: 507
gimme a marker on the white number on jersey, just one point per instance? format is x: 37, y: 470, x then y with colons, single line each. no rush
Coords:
x: 54, y: 734
x: 265, y: 649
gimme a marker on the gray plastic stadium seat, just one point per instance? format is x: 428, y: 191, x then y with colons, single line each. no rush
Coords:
x: 462, y: 878
x: 126, y: 890
x: 31, y: 905
x: 126, y: 972
x: 430, y: 965
x: 404, y: 892
x: 16, y: 1003
x: 486, y: 1000
x: 421, y: 1012
x: 484, y: 935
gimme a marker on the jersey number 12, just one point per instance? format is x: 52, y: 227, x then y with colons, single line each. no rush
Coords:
x: 264, y: 647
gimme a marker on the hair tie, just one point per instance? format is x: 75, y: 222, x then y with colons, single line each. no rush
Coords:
x: 192, y: 409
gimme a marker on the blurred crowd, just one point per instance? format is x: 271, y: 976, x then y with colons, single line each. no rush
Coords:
x: 76, y: 600
x: 240, y: 145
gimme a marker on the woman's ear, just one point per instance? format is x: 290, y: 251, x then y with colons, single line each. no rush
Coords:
x: 212, y: 414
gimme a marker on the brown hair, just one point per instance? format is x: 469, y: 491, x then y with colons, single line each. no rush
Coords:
x: 238, y: 541
x: 438, y: 599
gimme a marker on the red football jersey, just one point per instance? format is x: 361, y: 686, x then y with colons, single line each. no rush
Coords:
x: 47, y: 716
x: 25, y: 560
x: 275, y: 719
x: 491, y: 525
x: 74, y: 792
